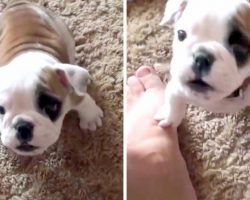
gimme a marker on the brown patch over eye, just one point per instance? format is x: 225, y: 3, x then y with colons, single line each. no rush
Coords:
x: 48, y: 104
x: 242, y: 19
x: 50, y: 80
x: 239, y: 46
x: 239, y: 35
x: 56, y: 82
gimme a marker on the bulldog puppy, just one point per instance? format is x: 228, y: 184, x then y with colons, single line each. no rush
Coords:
x: 210, y: 66
x: 39, y: 82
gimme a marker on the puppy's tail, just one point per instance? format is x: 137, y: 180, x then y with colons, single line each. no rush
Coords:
x: 14, y: 3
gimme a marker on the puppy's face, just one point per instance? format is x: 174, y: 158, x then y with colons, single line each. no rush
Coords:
x: 33, y: 103
x: 211, y: 47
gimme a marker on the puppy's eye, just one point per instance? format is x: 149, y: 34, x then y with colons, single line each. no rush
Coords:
x: 2, y: 110
x: 239, y: 45
x: 50, y: 106
x: 181, y: 35
x: 49, y: 109
x: 241, y: 53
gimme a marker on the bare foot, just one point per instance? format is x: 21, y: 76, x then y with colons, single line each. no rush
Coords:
x: 156, y: 168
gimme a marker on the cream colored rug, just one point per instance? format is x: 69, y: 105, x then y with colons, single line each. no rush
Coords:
x: 81, y: 165
x: 216, y: 147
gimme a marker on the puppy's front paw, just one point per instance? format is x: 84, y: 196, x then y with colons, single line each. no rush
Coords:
x: 92, y: 119
x: 167, y: 117
x: 163, y: 117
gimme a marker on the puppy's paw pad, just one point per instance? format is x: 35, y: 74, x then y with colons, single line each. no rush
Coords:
x: 164, y: 123
x: 92, y: 120
x: 164, y: 118
x: 84, y: 125
x: 92, y: 126
x: 100, y: 112
x: 99, y: 122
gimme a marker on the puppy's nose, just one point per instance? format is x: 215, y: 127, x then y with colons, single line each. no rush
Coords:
x: 24, y: 131
x: 203, y: 62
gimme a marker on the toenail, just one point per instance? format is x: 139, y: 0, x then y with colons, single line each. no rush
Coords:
x: 143, y: 72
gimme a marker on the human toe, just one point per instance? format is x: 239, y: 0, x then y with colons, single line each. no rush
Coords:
x: 148, y: 77
x: 135, y: 86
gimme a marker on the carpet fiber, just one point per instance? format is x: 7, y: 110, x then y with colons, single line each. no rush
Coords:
x: 216, y: 147
x: 81, y: 165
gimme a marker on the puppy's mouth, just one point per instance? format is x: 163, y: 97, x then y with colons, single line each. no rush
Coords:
x: 199, y: 85
x: 236, y: 93
x: 239, y: 92
x: 26, y: 147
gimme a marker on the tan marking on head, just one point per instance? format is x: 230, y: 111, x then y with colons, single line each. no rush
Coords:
x: 242, y: 19
x: 52, y: 80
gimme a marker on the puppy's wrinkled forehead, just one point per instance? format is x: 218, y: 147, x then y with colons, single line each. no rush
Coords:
x: 208, y: 19
x: 219, y: 11
x: 56, y: 82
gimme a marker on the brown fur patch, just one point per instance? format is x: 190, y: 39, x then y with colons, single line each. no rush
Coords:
x: 242, y: 19
x: 52, y: 80
x: 22, y: 28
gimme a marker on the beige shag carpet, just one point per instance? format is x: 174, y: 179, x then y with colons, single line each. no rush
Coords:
x: 81, y: 165
x: 215, y: 147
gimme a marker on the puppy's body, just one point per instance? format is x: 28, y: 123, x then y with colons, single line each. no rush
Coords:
x: 26, y: 27
x: 211, y: 50
x: 38, y: 88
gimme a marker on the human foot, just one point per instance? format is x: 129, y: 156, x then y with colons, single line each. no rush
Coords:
x: 145, y: 94
x: 156, y: 169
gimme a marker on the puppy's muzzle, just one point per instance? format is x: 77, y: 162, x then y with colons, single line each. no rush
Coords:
x: 202, y: 63
x: 24, y: 134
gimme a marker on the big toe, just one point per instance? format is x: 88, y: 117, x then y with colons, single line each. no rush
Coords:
x: 134, y: 90
x: 149, y: 78
x: 135, y: 86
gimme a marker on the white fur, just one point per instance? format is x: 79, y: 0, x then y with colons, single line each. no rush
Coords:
x: 18, y: 80
x: 206, y: 24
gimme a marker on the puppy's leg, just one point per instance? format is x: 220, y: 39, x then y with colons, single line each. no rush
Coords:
x: 89, y: 113
x: 173, y: 110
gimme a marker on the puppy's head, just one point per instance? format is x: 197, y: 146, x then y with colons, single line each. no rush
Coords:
x: 33, y: 104
x: 211, y: 47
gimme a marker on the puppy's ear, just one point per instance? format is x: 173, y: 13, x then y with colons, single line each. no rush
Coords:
x: 73, y: 78
x: 173, y: 11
